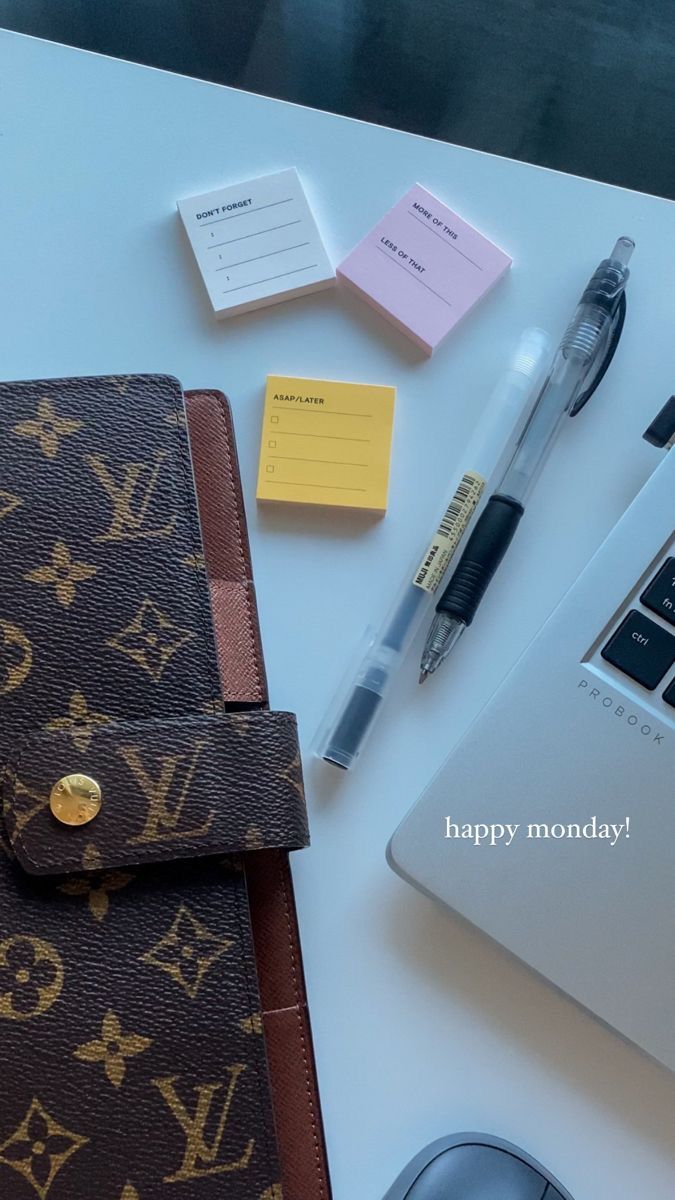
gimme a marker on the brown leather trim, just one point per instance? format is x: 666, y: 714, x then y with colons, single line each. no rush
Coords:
x: 300, y: 1135
x: 226, y: 550
x: 285, y: 1015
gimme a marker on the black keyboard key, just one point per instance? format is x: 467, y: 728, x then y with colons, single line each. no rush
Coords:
x: 659, y: 595
x: 642, y: 649
x: 669, y: 694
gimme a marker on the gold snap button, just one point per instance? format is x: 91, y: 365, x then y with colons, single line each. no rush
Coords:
x: 75, y: 800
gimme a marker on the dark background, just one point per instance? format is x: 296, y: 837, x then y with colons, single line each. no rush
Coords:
x: 586, y: 86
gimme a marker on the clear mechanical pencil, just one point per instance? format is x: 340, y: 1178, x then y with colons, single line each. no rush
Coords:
x: 584, y: 354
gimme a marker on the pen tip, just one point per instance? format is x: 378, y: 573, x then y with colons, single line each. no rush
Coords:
x: 423, y: 675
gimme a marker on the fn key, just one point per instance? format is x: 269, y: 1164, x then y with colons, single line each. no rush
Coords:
x: 642, y: 649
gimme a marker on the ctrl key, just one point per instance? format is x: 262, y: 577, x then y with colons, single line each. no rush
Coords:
x: 642, y: 649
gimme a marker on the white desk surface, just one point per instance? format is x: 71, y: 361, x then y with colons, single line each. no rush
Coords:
x: 421, y: 1027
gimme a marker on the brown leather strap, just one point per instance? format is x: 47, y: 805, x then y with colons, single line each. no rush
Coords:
x: 171, y: 789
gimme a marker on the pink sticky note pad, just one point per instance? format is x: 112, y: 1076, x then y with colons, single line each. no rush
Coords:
x: 423, y: 268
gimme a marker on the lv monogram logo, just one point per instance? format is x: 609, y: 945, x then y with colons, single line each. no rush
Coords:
x: 201, y: 1157
x: 163, y: 818
x: 131, y: 497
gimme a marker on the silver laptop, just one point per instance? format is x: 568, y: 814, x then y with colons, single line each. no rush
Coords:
x: 577, y: 750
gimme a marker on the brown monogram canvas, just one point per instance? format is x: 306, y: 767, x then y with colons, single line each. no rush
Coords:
x: 132, y: 1054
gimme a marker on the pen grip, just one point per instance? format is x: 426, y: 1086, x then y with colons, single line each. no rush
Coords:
x: 484, y: 551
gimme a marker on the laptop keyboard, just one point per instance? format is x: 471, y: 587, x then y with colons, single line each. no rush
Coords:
x: 642, y: 648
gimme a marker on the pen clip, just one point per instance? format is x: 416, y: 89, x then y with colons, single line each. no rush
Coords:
x: 661, y: 432
x: 615, y: 332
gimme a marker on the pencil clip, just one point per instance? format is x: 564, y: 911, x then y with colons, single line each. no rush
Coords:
x: 613, y: 340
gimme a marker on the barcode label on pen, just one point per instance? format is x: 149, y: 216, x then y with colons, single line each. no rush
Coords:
x: 449, y: 533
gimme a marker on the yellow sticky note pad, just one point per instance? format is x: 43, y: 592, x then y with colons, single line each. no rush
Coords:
x: 326, y: 442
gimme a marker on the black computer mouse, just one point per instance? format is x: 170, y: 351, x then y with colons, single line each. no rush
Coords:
x: 473, y: 1166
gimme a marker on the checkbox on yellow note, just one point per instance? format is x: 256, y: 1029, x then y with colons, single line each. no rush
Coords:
x: 331, y: 443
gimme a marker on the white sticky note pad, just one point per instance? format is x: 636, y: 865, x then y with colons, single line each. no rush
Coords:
x: 256, y: 243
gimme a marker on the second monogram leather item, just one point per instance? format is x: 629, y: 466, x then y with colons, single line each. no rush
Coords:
x: 154, y: 1036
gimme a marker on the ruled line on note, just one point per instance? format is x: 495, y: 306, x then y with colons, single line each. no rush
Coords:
x: 330, y: 462
x: 324, y: 412
x: 268, y: 279
x: 258, y: 233
x: 270, y: 253
x: 333, y: 487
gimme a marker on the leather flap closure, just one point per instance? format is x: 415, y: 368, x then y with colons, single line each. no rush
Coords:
x: 170, y: 789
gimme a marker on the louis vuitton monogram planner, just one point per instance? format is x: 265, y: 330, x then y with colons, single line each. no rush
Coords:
x: 147, y: 926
